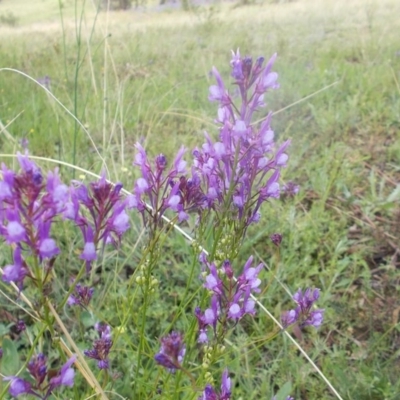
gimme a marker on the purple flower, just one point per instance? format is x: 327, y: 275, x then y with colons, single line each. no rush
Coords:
x: 289, y: 317
x: 37, y: 368
x: 218, y: 92
x: 29, y: 204
x: 225, y: 393
x: 306, y: 300
x: 101, y: 347
x: 165, y: 188
x: 235, y: 311
x: 202, y: 323
x: 16, y: 272
x: 276, y: 239
x: 57, y: 194
x: 20, y: 326
x: 19, y: 386
x: 99, y: 210
x: 212, y: 280
x: 231, y: 299
x: 82, y: 296
x: 119, y: 222
x: 15, y: 232
x: 290, y: 189
x: 208, y: 393
x: 65, y: 377
x: 89, y: 249
x: 303, y: 313
x: 171, y: 352
x: 249, y: 277
x: 47, y: 246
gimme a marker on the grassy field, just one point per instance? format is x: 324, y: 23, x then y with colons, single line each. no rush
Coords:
x: 144, y: 75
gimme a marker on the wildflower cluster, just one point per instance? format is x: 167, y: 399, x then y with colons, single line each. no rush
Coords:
x: 228, y: 180
x: 42, y: 386
x: 230, y: 298
x: 303, y: 313
x: 101, y: 347
x: 29, y: 205
x: 241, y: 170
x: 238, y: 172
x: 159, y: 185
x: 172, y: 352
x: 81, y: 297
x: 99, y: 212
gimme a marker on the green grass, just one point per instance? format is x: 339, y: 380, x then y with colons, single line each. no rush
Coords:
x: 145, y: 75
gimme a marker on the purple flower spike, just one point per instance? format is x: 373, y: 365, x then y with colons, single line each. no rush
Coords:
x: 29, y: 205
x: 37, y: 368
x: 244, y: 157
x: 165, y: 188
x: 101, y: 347
x: 303, y: 314
x: 99, y: 210
x: 307, y: 300
x: 82, y: 296
x: 231, y: 299
x: 172, y: 352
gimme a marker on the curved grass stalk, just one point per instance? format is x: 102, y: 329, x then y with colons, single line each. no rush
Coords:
x: 301, y: 100
x: 3, y: 128
x: 17, y: 71
x: 176, y: 112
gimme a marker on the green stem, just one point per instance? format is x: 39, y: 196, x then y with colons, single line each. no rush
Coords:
x: 72, y: 287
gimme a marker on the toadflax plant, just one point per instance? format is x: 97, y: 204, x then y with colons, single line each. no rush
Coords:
x: 219, y: 194
x: 229, y: 180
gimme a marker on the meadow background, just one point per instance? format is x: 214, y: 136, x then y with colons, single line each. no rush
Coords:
x: 143, y: 74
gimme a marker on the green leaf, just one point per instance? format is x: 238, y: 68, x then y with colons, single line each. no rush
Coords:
x: 87, y: 319
x: 284, y: 391
x: 395, y: 195
x: 10, y: 359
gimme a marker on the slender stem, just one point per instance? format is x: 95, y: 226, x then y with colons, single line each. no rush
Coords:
x: 72, y: 287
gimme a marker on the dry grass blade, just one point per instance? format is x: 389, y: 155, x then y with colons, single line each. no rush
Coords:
x: 91, y: 379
